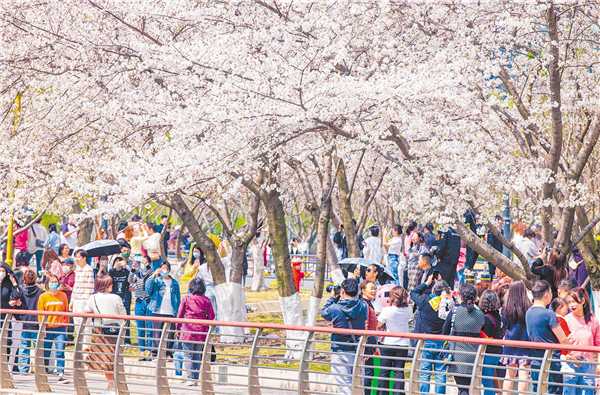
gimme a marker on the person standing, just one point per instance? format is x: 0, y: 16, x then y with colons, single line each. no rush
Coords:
x: 50, y: 263
x: 527, y: 247
x: 448, y: 252
x: 418, y: 247
x: 53, y: 240
x: 585, y: 331
x: 83, y: 288
x: 489, y: 304
x: 165, y: 298
x: 427, y: 320
x: 543, y: 326
x: 37, y: 239
x: 468, y: 321
x: 516, y: 359
x: 339, y: 239
x: 102, y: 350
x: 20, y: 240
x: 368, y: 290
x: 139, y: 236
x: 152, y: 245
x: 412, y: 227
x: 429, y: 236
x: 69, y: 233
x: 553, y: 271
x: 194, y: 306
x: 471, y: 222
x: 121, y: 287
x: 67, y: 282
x: 345, y: 311
x: 394, y: 251
x: 395, y: 349
x: 258, y: 249
x: 373, y: 249
x: 137, y: 279
x: 56, y: 301
x: 31, y: 295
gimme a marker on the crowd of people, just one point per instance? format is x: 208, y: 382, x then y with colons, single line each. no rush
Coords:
x: 435, y: 291
x: 66, y: 279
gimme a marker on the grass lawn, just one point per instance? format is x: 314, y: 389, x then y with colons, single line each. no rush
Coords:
x: 270, y: 295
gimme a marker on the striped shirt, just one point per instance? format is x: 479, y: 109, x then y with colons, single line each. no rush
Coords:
x: 137, y: 280
x: 84, y: 284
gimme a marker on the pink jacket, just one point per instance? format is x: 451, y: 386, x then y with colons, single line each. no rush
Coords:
x: 194, y: 307
x: 20, y: 242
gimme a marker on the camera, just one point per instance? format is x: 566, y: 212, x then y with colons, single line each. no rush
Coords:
x: 334, y: 288
x: 547, y: 246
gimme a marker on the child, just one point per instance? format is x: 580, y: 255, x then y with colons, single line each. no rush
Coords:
x: 296, y: 270
x: 561, y: 309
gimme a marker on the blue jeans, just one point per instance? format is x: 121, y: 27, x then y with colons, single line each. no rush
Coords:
x: 58, y: 335
x: 438, y: 366
x: 156, y: 264
x: 580, y: 380
x: 552, y: 377
x: 488, y: 372
x: 28, y: 339
x: 178, y: 357
x: 38, y: 261
x: 393, y: 263
x: 143, y: 327
x: 193, y: 356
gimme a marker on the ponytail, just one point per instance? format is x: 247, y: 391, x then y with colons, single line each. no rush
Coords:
x: 468, y: 294
x: 469, y: 305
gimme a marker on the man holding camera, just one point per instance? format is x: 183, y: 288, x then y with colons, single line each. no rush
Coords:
x: 345, y: 311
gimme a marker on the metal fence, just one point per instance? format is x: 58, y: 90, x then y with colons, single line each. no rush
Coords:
x: 271, y: 359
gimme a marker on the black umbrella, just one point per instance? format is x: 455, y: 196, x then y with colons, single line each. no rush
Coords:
x: 101, y: 247
x: 350, y: 265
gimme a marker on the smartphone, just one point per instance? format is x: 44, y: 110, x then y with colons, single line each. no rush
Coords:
x: 436, y: 274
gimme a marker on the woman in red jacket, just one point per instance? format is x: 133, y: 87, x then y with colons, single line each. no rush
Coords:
x: 194, y: 306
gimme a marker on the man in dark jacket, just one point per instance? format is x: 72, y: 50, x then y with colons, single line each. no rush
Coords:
x: 447, y: 253
x: 427, y: 320
x: 29, y: 301
x: 347, y: 312
x: 472, y: 255
x: 495, y: 242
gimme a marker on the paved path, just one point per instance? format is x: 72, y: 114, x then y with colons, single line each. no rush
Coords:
x: 25, y: 385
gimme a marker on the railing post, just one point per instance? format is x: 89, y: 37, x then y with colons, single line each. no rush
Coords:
x: 79, y: 380
x: 162, y: 382
x: 359, y: 360
x: 205, y: 366
x: 5, y: 378
x: 253, y: 381
x: 119, y: 371
x: 417, y: 354
x: 41, y: 379
x: 476, y: 379
x: 303, y: 386
x: 542, y: 387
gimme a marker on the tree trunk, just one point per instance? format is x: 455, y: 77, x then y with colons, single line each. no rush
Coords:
x: 489, y: 252
x: 163, y: 253
x: 178, y: 241
x: 86, y: 227
x: 346, y: 211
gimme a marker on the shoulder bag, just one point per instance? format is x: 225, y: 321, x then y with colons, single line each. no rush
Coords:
x: 107, y: 329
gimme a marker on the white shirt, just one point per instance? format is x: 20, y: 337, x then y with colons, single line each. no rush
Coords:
x: 373, y: 249
x: 396, y: 320
x: 529, y: 249
x: 205, y: 274
x: 106, y: 304
x: 166, y: 308
x: 152, y: 244
x: 71, y: 241
x: 396, y: 244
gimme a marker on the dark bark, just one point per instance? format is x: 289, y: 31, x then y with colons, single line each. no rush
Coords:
x: 208, y: 247
x: 346, y: 211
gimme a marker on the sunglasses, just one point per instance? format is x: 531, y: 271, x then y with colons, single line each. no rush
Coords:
x: 369, y: 270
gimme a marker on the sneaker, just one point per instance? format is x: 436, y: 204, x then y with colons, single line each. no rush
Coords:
x: 62, y: 379
x: 142, y: 359
x: 190, y: 383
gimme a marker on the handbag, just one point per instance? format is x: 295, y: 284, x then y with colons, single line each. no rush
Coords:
x: 38, y: 243
x: 154, y: 255
x: 108, y: 329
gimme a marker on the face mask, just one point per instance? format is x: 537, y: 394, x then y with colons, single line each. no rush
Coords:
x: 144, y: 267
x: 165, y: 274
x: 66, y: 269
x: 119, y: 268
x: 53, y: 287
x: 2, y: 276
x: 126, y: 255
x: 196, y: 255
x: 104, y: 263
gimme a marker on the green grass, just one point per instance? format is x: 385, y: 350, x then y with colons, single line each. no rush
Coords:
x: 270, y: 295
